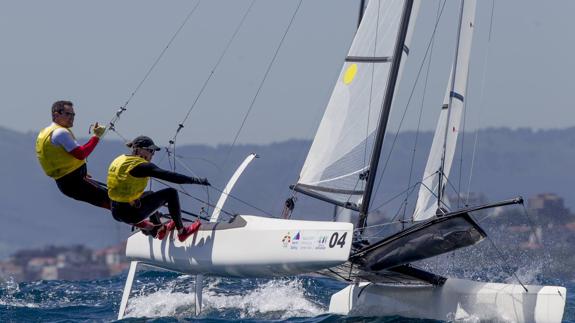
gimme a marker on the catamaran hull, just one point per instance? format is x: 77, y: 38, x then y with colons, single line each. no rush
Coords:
x: 455, y: 299
x: 249, y: 246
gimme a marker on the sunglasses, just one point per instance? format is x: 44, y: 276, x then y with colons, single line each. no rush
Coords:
x: 66, y: 113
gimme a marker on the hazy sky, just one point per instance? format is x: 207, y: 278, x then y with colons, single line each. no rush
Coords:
x: 96, y: 52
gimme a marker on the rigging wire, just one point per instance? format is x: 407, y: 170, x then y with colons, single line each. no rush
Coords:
x: 172, y: 142
x: 112, y: 123
x: 371, y: 85
x: 222, y: 192
x: 408, y: 193
x: 452, y: 82
x: 244, y: 202
x: 168, y: 153
x: 412, y: 187
x: 505, y: 261
x: 462, y: 145
x: 410, y: 97
x: 380, y: 225
x: 112, y: 128
x: 190, y: 195
x: 194, y: 174
x: 262, y: 82
x: 531, y: 225
x: 452, y: 185
x: 481, y: 105
x: 547, y: 253
x: 394, y: 220
x: 183, y: 191
x: 205, y: 160
x: 412, y: 163
x: 341, y: 209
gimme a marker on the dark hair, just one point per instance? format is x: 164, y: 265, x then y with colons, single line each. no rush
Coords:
x: 58, y: 106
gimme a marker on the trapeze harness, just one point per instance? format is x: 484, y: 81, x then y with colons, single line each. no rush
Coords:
x: 69, y: 172
x: 128, y: 177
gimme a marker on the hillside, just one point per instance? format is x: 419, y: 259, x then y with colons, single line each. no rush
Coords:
x: 508, y: 163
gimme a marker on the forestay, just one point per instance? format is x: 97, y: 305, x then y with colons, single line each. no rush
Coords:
x: 445, y: 138
x: 338, y: 160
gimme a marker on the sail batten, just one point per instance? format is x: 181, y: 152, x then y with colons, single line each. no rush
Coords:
x: 330, y: 190
x: 368, y: 59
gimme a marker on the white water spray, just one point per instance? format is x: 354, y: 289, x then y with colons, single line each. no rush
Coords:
x: 277, y: 299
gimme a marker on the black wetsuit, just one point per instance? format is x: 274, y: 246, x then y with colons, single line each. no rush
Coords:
x: 79, y: 187
x: 149, y: 202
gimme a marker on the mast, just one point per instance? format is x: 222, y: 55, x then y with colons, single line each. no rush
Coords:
x: 451, y: 93
x: 386, y: 108
x: 361, y: 11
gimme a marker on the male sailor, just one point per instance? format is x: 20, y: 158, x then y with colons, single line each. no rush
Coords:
x: 63, y: 159
x: 128, y: 177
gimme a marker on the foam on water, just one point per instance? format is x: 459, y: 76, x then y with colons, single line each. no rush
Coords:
x: 528, y: 274
x: 274, y: 299
x: 161, y: 304
x: 284, y: 297
x: 10, y: 294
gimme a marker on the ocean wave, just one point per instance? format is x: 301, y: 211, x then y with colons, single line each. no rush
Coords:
x: 165, y: 296
x: 274, y: 299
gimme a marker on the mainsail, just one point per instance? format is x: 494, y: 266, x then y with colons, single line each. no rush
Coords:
x: 338, y: 162
x: 440, y: 158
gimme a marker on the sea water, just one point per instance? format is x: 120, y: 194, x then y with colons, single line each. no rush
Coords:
x: 167, y: 297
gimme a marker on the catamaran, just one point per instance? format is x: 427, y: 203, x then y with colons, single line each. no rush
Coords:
x: 341, y: 169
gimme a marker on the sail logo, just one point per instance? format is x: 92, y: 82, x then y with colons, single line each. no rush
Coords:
x: 292, y: 241
x: 295, y: 241
x: 350, y: 74
x: 321, y: 242
x: 301, y: 241
x: 286, y: 240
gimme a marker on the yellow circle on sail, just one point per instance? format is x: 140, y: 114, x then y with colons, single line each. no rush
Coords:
x: 350, y: 74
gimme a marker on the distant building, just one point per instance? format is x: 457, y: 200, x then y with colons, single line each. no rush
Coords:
x: 11, y: 270
x: 548, y: 225
x: 549, y: 208
x: 49, y: 273
x: 65, y: 263
x: 114, y: 258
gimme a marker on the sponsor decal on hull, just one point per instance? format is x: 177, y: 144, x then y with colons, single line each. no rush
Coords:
x: 286, y: 240
x: 321, y: 243
x: 315, y: 240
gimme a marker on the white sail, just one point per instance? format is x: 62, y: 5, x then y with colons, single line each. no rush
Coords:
x: 445, y: 138
x: 341, y: 150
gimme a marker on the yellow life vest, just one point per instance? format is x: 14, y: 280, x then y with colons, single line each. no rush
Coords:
x: 55, y: 160
x: 123, y: 187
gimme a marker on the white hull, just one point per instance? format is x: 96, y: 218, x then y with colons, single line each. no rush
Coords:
x: 456, y: 299
x: 250, y: 246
